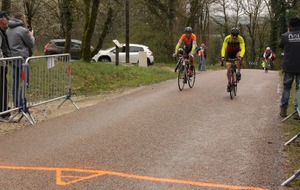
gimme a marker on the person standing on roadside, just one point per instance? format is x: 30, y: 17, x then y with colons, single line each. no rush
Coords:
x: 4, y: 52
x: 290, y: 43
x: 202, y: 57
x: 21, y: 40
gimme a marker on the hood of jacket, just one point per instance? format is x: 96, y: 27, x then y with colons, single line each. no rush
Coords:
x: 15, y: 23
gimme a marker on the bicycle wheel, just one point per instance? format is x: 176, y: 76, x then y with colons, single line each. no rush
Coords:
x: 181, y: 77
x: 234, y: 84
x: 231, y: 91
x: 191, y: 79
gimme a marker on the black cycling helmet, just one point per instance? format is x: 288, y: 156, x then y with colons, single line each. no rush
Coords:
x: 188, y: 29
x: 235, y: 31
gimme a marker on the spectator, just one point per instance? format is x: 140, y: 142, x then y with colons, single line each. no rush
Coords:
x: 21, y: 40
x: 202, y: 57
x: 4, y: 52
x: 290, y: 42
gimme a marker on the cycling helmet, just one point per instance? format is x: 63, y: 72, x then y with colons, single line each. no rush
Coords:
x: 268, y: 48
x: 188, y: 30
x: 235, y: 31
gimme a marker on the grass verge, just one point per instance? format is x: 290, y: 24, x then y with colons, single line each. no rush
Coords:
x: 95, y: 78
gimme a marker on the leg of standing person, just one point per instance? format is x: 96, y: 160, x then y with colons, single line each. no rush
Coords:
x: 288, y: 79
x: 199, y: 63
x: 3, y: 90
x: 203, y: 67
x: 16, y: 83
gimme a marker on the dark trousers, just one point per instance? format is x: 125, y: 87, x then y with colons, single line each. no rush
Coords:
x: 3, y: 89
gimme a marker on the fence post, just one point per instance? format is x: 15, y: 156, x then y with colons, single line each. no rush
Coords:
x: 118, y: 46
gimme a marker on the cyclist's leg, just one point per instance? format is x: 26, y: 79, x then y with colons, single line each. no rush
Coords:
x: 191, y: 59
x: 238, y: 66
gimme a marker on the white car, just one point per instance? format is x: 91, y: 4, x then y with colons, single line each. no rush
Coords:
x: 109, y: 55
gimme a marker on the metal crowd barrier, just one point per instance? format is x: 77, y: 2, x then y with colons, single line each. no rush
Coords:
x: 297, y: 111
x: 9, y: 82
x: 32, y: 82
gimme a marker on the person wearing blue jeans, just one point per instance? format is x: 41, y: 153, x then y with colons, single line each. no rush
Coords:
x: 290, y: 42
x: 287, y: 85
x: 202, y: 57
x: 21, y: 41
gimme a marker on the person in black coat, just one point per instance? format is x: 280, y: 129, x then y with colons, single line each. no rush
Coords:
x: 290, y: 43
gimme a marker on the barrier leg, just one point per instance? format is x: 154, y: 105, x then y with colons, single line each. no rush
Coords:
x: 68, y: 97
x: 292, y: 139
x: 286, y: 118
x: 291, y: 178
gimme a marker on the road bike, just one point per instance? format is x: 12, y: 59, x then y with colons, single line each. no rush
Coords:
x: 232, y: 76
x: 185, y: 74
x: 267, y: 65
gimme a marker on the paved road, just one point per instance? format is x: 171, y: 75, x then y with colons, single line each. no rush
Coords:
x: 156, y: 138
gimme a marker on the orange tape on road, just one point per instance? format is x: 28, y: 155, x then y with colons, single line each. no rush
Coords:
x: 84, y: 174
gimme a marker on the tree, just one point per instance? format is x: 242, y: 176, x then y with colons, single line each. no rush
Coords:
x: 67, y: 9
x: 90, y: 16
x: 105, y: 30
x: 6, y: 6
x: 221, y: 17
x: 31, y: 7
x: 253, y: 10
x: 165, y: 14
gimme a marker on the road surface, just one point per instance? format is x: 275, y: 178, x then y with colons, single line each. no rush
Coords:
x: 157, y: 138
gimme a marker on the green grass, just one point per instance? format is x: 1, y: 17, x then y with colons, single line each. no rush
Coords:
x: 292, y: 128
x: 95, y: 78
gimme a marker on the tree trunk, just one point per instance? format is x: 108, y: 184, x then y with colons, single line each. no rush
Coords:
x: 106, y: 28
x: 67, y: 10
x: 91, y: 12
x: 6, y: 6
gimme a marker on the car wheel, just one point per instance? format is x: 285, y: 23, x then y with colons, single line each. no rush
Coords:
x: 104, y: 59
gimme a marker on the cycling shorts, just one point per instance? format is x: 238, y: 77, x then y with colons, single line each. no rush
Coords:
x: 232, y: 56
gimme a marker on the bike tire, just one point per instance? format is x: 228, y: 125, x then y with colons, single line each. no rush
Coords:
x: 191, y: 80
x: 231, y: 91
x: 234, y: 84
x: 181, y: 77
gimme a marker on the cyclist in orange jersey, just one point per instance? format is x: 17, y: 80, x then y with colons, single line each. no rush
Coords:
x: 233, y: 47
x: 189, y: 40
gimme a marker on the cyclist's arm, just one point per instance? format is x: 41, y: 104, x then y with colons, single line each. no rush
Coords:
x: 270, y: 55
x: 224, y: 46
x: 178, y: 46
x: 242, y: 46
x: 194, y: 44
x: 179, y: 43
x: 194, y: 47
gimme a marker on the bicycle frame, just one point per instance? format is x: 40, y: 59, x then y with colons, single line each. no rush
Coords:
x: 232, y: 77
x: 183, y: 75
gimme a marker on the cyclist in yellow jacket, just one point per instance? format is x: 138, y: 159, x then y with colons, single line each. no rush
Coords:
x: 233, y: 47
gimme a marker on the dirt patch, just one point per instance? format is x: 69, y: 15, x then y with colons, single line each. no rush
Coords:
x: 51, y: 110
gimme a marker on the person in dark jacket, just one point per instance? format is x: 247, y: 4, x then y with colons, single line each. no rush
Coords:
x: 21, y: 40
x: 4, y: 52
x: 290, y: 42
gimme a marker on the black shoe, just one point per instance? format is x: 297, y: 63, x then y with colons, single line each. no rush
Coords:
x: 238, y: 76
x: 283, y: 113
x: 228, y: 88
